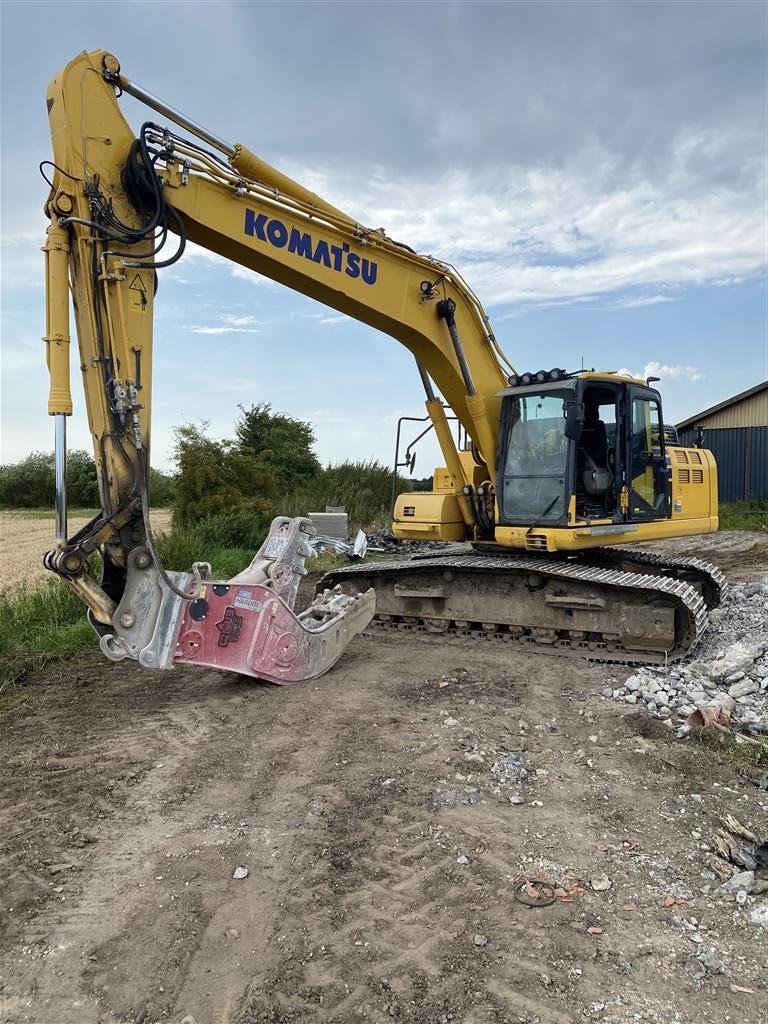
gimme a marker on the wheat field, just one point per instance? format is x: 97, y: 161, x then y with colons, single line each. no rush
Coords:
x: 26, y: 536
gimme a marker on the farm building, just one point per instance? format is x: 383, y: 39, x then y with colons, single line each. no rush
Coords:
x: 736, y: 432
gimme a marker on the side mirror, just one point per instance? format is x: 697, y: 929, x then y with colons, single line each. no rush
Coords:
x: 574, y: 419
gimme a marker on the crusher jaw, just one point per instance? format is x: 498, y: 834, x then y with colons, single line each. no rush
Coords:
x: 246, y: 624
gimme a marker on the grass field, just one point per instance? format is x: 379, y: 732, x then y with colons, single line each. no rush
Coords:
x: 25, y: 536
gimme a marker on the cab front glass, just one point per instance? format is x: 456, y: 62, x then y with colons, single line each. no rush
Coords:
x: 534, y: 469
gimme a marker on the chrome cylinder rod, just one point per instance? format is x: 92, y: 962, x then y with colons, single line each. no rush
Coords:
x: 60, y: 458
x: 446, y: 309
x: 184, y: 122
x: 429, y: 390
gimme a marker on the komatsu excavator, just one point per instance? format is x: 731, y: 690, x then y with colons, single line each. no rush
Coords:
x: 560, y: 469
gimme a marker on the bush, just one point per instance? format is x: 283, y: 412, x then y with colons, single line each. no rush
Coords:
x: 41, y: 626
x: 31, y: 482
x: 162, y: 488
x: 180, y: 548
x: 363, y: 488
x: 744, y: 515
x: 215, y: 478
x: 244, y: 526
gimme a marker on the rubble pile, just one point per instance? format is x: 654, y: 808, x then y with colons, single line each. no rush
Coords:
x: 385, y: 540
x: 731, y: 662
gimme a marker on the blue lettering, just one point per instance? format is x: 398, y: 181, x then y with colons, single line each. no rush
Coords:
x: 300, y: 243
x: 353, y: 265
x: 369, y: 271
x: 277, y: 233
x: 322, y: 255
x: 255, y: 225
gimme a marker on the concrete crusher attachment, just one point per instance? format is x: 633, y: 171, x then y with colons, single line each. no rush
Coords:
x: 246, y: 624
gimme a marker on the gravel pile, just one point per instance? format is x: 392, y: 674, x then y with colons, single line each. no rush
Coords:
x: 732, y: 659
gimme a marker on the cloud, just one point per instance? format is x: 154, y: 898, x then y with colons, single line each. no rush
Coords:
x: 675, y: 371
x: 327, y: 320
x: 536, y: 234
x: 641, y: 300
x: 230, y: 324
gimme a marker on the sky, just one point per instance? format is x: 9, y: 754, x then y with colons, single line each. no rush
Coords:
x: 596, y: 171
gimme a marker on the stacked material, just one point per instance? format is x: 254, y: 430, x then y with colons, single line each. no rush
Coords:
x: 330, y: 524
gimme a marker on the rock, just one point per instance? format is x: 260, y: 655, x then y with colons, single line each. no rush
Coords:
x: 600, y: 883
x: 708, y: 958
x: 743, y: 688
x: 240, y: 872
x: 462, y: 859
x: 450, y: 722
x: 633, y: 684
x: 480, y: 940
x: 734, y: 677
x: 742, y: 881
x: 760, y: 916
x: 607, y: 691
x: 737, y: 658
x: 56, y: 869
x: 517, y: 799
x: 189, y: 1019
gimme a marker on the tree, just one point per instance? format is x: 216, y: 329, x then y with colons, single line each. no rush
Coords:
x: 286, y: 444
x: 31, y: 482
x: 162, y: 488
x: 215, y: 477
x: 82, y: 487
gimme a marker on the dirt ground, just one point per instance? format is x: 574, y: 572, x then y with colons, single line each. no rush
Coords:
x: 372, y: 810
x: 25, y: 537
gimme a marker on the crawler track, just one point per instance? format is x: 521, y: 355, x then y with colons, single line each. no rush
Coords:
x: 607, y: 605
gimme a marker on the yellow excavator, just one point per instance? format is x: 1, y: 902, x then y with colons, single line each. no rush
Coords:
x: 560, y: 467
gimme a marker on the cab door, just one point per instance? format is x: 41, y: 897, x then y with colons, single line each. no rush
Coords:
x: 647, y: 475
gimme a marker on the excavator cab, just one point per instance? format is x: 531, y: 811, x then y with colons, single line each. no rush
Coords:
x: 582, y: 449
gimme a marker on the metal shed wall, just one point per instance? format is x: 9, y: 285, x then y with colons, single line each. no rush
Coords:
x: 749, y: 412
x: 741, y: 454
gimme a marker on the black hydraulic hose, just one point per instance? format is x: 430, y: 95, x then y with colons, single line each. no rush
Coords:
x: 182, y: 233
x: 144, y: 492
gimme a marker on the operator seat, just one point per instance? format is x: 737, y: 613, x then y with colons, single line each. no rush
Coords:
x: 594, y: 446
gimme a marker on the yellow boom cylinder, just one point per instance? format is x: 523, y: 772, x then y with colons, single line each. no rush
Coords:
x: 56, y: 338
x: 450, y: 454
x: 251, y: 166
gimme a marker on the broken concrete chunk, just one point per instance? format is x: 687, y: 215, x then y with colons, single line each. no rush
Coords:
x: 600, y: 883
x: 743, y: 688
x: 742, y: 881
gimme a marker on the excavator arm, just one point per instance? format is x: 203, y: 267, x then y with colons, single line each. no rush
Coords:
x: 122, y: 207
